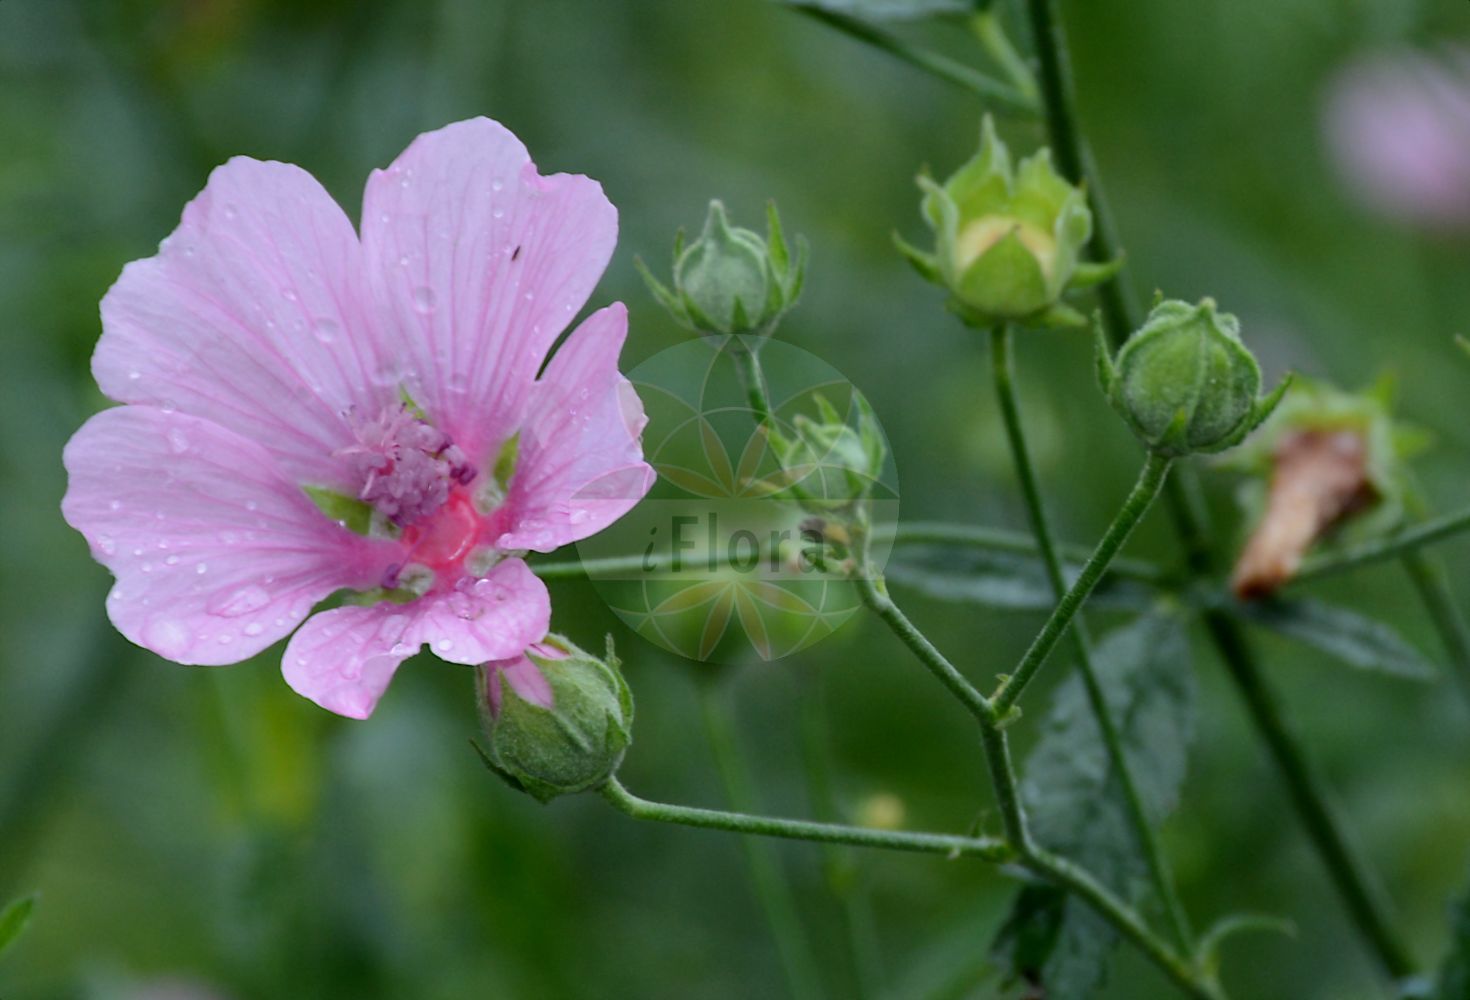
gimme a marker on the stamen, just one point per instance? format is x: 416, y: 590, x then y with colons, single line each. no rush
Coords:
x: 406, y: 465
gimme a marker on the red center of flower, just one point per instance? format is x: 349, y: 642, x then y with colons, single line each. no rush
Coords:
x: 442, y: 540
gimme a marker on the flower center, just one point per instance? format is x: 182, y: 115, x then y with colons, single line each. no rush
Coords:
x: 406, y: 465
x: 442, y: 541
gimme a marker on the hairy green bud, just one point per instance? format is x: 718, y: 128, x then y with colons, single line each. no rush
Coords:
x: 1184, y: 382
x: 831, y: 463
x: 732, y: 280
x: 566, y: 734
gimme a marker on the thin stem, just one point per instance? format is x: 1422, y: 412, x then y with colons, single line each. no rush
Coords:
x: 915, y: 533
x: 1398, y: 544
x: 1434, y: 591
x: 769, y: 882
x: 1120, y: 311
x: 748, y: 363
x: 874, y: 594
x: 1150, y: 481
x: 1360, y: 889
x: 1148, y: 843
x: 998, y: 96
x: 988, y: 848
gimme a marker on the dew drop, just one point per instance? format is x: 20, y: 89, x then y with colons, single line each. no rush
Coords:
x: 178, y: 442
x: 444, y: 645
x: 230, y: 212
x: 325, y: 330
x: 289, y: 294
x: 135, y: 374
x: 166, y: 637
x: 254, y: 628
x: 496, y: 185
x: 171, y: 561
x: 423, y: 300
x: 498, y: 213
x: 240, y: 602
x: 201, y: 568
x: 114, y: 505
x: 106, y: 545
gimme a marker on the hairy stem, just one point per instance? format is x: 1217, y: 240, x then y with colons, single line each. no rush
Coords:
x: 770, y: 883
x: 1350, y: 873
x: 1150, y: 482
x: 1005, y: 390
x: 989, y: 848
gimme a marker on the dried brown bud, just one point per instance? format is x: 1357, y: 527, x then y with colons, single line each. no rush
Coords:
x: 1318, y: 478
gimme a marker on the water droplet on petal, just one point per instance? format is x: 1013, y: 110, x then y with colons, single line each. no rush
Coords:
x: 178, y: 441
x: 239, y: 602
x: 201, y: 569
x: 114, y: 505
x: 254, y: 628
x: 444, y: 645
x: 135, y: 375
x: 423, y: 300
x: 166, y: 637
x: 496, y: 185
x: 325, y: 330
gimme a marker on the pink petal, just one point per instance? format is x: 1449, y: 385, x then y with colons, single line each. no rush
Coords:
x: 478, y: 264
x: 252, y: 315
x: 216, y: 555
x: 580, y: 465
x: 343, y: 659
x: 524, y: 678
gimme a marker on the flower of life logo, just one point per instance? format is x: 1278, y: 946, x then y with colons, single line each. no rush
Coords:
x: 728, y: 562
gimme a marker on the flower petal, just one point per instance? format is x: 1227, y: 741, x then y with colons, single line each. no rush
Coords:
x: 216, y: 554
x: 252, y: 315
x: 479, y: 263
x: 343, y: 659
x: 580, y: 464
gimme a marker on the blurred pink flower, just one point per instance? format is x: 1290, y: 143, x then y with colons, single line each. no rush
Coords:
x: 1399, y: 128
x: 268, y: 349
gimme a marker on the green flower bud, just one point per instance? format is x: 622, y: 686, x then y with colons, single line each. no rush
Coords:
x: 566, y: 735
x: 732, y: 280
x: 1007, y: 242
x: 830, y: 465
x: 1184, y: 382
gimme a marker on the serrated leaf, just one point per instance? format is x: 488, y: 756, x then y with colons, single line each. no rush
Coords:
x: 1052, y: 940
x: 888, y: 10
x: 1454, y: 973
x: 999, y: 580
x: 13, y: 920
x: 1355, y: 639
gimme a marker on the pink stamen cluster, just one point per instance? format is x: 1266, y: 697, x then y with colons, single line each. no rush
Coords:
x: 407, y: 465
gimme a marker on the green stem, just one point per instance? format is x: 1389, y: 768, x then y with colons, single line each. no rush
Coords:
x: 1400, y: 543
x: 999, y: 97
x: 874, y: 594
x: 1359, y: 891
x: 1434, y: 591
x: 916, y: 533
x: 1148, y: 843
x: 771, y: 886
x: 1150, y: 482
x: 988, y: 848
x: 748, y: 364
x: 988, y: 29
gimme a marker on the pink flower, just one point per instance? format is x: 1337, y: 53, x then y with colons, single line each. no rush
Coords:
x: 309, y: 411
x: 1399, y: 128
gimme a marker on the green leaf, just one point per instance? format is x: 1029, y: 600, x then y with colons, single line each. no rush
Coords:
x: 888, y: 10
x: 13, y: 920
x: 1051, y: 940
x: 1356, y: 640
x: 1454, y: 973
x: 353, y: 514
x: 999, y: 580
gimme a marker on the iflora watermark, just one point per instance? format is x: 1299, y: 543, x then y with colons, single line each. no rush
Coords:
x: 724, y: 560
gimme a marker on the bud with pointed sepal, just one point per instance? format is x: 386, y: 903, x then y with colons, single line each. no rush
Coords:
x: 557, y: 720
x: 1184, y: 382
x: 1007, y: 240
x: 732, y: 280
x: 830, y: 464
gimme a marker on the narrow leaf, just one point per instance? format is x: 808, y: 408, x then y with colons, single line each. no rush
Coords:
x: 1355, y: 639
x: 13, y: 920
x: 999, y: 580
x: 1454, y: 973
x: 888, y: 10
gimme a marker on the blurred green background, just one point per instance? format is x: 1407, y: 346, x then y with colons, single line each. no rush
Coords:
x: 205, y: 833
